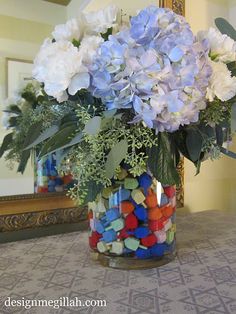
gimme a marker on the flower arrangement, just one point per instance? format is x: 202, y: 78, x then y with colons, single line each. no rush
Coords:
x: 139, y: 97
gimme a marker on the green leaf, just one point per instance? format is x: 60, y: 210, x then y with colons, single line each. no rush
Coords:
x: 13, y: 109
x: 180, y: 142
x: 69, y: 118
x: 77, y: 139
x: 23, y: 162
x: 194, y: 142
x: 115, y: 157
x: 57, y: 141
x: 93, y: 126
x: 233, y: 118
x: 107, y: 34
x: 6, y: 143
x: 76, y: 42
x: 93, y: 189
x: 12, y: 122
x: 44, y: 136
x: 33, y: 133
x: 161, y: 162
x: 232, y: 68
x: 225, y: 27
x: 228, y: 152
x: 219, y: 135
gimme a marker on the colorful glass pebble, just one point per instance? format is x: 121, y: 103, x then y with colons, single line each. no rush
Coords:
x: 117, y: 247
x: 124, y: 195
x: 158, y: 250
x: 131, y: 221
x: 169, y: 191
x: 168, y: 225
x: 145, y: 181
x: 106, y: 192
x: 138, y: 196
x: 127, y: 225
x: 154, y: 213
x: 164, y: 200
x: 130, y: 183
x: 109, y: 236
x: 131, y: 243
x: 161, y: 236
x: 142, y: 253
x: 102, y: 247
x: 127, y: 207
x: 151, y: 199
x: 141, y: 232
x: 170, y: 237
x: 167, y: 210
x: 98, y: 226
x: 122, y: 174
x: 149, y: 240
x: 118, y: 224
x: 112, y: 214
x: 141, y: 212
x: 123, y: 234
x: 93, y: 239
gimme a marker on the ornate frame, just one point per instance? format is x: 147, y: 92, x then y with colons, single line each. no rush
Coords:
x: 32, y: 211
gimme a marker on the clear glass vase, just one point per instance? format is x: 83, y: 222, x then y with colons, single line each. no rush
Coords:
x: 132, y: 223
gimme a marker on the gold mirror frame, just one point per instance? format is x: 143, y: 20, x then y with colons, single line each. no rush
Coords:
x: 37, y: 210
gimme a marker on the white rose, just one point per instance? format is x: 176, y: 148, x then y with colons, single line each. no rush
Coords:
x: 100, y: 21
x: 55, y: 66
x: 222, y: 84
x: 222, y: 47
x: 69, y: 31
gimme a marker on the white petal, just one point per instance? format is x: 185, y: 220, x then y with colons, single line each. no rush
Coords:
x: 79, y: 81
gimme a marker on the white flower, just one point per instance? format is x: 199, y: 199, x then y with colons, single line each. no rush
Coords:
x: 222, y: 47
x: 55, y: 65
x: 69, y: 31
x: 222, y: 84
x: 88, y: 47
x: 100, y: 21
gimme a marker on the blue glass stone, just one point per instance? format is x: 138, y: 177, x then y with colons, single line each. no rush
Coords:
x: 141, y: 212
x: 143, y: 254
x: 112, y: 214
x: 109, y: 236
x: 158, y: 250
x: 141, y: 232
x: 145, y: 181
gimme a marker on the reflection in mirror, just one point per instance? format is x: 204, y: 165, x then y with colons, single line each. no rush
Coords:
x: 24, y: 25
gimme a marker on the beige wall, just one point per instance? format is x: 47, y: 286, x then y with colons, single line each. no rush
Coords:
x: 215, y: 187
x: 129, y: 7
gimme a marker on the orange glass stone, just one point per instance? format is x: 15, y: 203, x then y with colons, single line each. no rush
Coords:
x: 127, y: 207
x: 154, y: 213
x: 151, y: 199
x: 167, y: 210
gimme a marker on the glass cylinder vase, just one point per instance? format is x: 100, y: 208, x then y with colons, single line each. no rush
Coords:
x: 132, y: 223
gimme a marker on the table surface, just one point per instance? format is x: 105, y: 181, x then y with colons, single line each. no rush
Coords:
x: 202, y: 279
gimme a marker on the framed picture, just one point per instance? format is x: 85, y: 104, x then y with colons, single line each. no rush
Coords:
x: 19, y: 74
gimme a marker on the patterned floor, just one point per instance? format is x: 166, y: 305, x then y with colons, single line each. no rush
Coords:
x: 201, y: 280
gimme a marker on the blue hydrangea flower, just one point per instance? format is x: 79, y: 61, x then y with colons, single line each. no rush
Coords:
x: 155, y: 67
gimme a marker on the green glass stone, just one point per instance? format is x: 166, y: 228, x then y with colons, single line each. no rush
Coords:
x: 131, y: 183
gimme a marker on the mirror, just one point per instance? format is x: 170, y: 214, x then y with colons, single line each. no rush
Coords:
x: 24, y: 26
